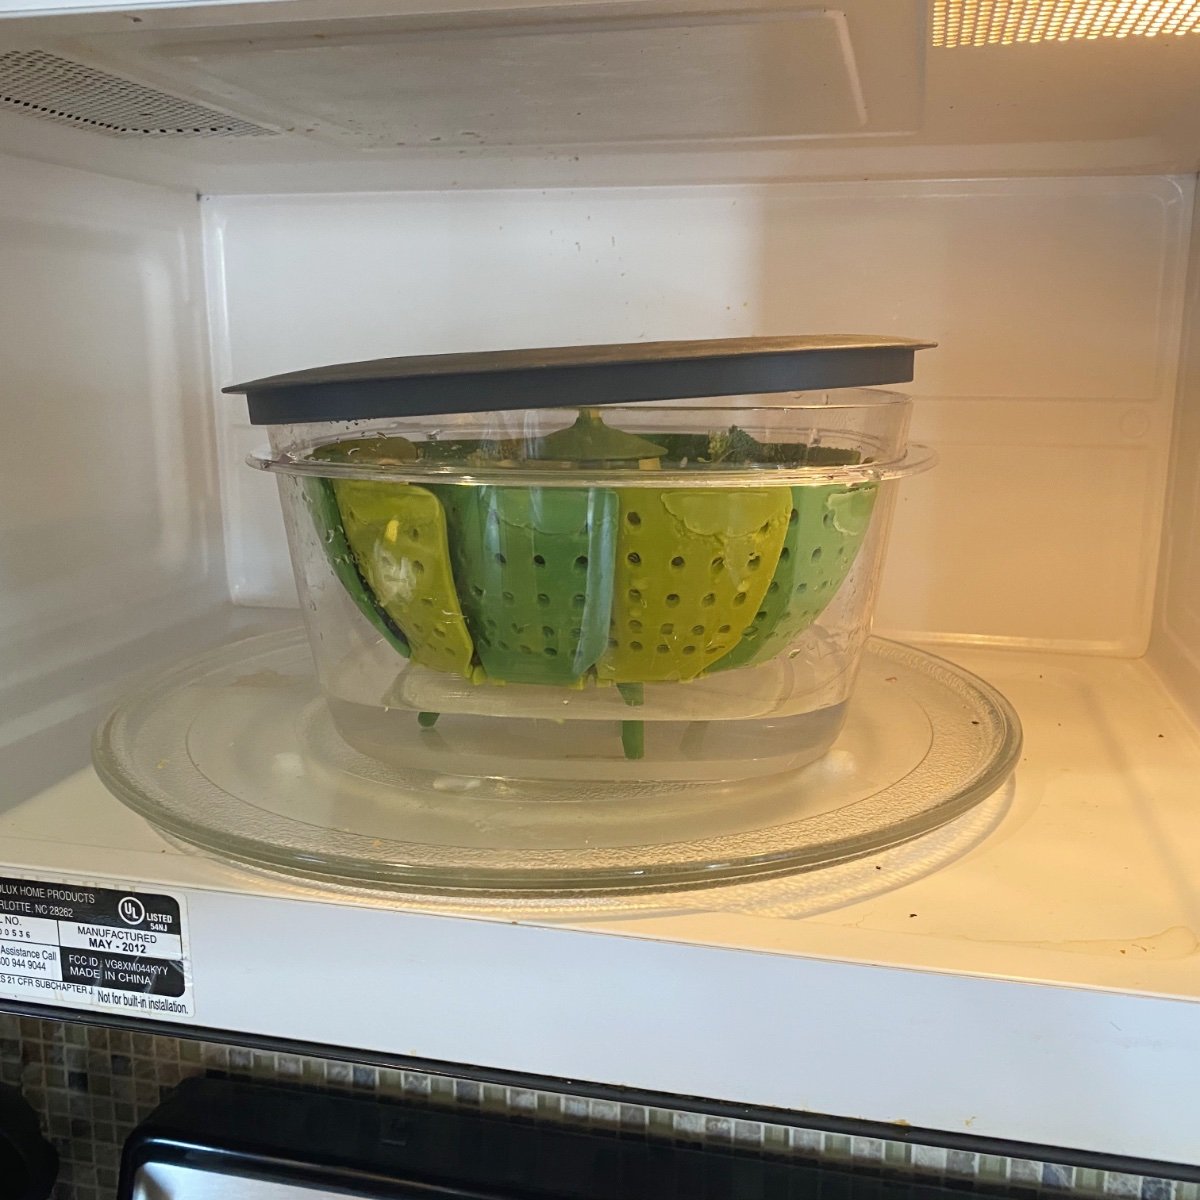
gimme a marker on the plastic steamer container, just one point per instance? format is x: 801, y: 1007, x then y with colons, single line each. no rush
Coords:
x: 537, y: 597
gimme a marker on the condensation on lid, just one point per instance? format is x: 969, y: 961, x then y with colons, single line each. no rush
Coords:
x: 578, y: 376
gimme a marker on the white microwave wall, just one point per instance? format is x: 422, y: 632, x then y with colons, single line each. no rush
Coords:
x: 109, y: 519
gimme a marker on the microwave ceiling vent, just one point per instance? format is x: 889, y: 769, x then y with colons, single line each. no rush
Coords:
x: 1012, y: 22
x: 58, y: 89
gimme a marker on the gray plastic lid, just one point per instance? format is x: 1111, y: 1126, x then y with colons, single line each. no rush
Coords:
x: 578, y: 376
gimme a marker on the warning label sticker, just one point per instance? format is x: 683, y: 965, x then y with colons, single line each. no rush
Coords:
x: 93, y: 947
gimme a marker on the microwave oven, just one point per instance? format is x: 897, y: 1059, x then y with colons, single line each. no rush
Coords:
x: 193, y: 194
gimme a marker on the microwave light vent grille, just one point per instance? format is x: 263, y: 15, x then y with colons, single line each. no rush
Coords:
x: 1012, y: 22
x: 59, y: 89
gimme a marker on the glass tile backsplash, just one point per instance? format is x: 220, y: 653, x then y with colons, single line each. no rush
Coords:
x: 93, y: 1085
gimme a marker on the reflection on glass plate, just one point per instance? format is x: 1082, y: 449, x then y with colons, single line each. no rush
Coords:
x: 235, y: 752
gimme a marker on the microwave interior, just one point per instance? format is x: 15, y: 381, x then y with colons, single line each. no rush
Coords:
x: 195, y: 194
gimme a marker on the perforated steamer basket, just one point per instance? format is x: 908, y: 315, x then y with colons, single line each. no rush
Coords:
x: 520, y: 574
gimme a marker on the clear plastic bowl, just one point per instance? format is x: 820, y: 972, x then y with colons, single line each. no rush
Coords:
x: 581, y: 603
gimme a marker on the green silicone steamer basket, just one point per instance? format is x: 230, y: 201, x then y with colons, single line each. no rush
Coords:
x: 591, y: 572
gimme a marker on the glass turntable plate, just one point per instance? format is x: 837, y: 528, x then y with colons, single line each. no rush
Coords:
x: 234, y: 752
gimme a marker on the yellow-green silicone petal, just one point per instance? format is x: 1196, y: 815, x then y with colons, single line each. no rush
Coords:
x: 692, y: 566
x: 397, y: 533
x: 825, y: 531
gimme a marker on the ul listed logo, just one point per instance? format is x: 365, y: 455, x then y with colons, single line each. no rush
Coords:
x: 131, y: 910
